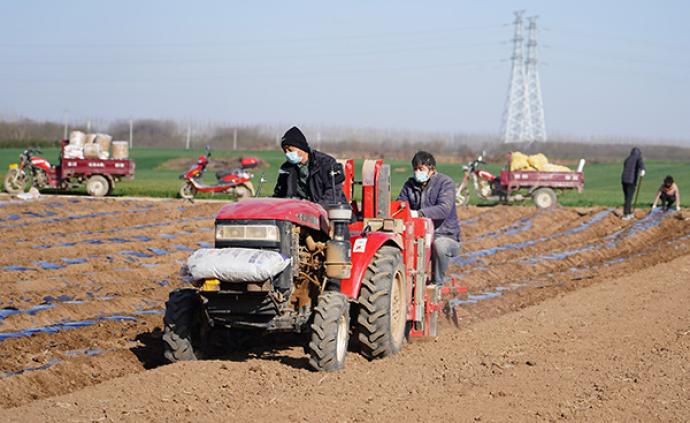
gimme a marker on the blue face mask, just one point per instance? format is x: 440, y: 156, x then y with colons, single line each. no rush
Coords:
x: 293, y: 157
x: 421, y: 176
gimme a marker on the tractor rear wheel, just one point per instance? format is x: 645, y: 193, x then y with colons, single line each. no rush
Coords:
x: 181, y: 326
x: 330, y: 332
x: 382, y: 315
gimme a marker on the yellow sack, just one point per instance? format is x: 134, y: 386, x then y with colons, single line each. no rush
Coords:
x: 538, y: 161
x: 518, y: 161
x: 549, y: 167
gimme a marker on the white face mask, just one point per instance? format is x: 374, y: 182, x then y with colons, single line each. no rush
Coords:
x: 293, y: 157
x: 421, y: 176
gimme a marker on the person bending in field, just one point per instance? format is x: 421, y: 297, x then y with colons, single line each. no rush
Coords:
x: 432, y: 194
x: 668, y: 194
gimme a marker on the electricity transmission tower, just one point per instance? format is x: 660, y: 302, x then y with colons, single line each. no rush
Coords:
x: 523, y: 119
x: 533, y: 128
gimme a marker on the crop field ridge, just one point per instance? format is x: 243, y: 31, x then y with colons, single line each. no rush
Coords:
x: 571, y: 313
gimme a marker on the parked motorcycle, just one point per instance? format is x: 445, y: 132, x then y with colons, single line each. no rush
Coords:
x: 30, y: 169
x: 235, y: 182
x: 487, y: 186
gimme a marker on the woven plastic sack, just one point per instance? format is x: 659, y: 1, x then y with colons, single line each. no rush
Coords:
x: 549, y: 167
x: 77, y: 138
x: 518, y: 161
x: 236, y: 264
x: 73, y: 151
x: 538, y: 161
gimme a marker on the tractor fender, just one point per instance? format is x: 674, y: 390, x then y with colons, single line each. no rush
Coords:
x: 363, y: 250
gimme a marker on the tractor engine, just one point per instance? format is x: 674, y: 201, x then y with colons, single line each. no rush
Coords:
x: 284, y: 303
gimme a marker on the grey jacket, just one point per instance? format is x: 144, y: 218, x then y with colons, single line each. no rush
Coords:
x: 436, y: 201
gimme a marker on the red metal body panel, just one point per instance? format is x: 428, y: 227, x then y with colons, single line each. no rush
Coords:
x: 363, y: 250
x: 348, y: 184
x: 299, y: 212
x: 249, y: 162
x: 42, y: 163
x: 486, y: 175
x: 87, y: 167
x: 370, y: 173
x: 515, y: 180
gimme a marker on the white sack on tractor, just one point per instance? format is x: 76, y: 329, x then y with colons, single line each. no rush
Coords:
x: 235, y: 264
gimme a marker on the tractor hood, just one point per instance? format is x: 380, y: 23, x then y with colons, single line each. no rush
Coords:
x: 299, y: 212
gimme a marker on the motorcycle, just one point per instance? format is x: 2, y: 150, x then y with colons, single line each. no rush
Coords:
x: 31, y: 168
x: 487, y: 186
x: 236, y: 182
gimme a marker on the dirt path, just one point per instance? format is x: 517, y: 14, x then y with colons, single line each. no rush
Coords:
x: 615, y: 351
x: 84, y: 282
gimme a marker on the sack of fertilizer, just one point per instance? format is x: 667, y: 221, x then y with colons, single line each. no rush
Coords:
x: 236, y: 264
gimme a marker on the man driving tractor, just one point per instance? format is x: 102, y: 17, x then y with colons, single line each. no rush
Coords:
x: 432, y: 194
x: 308, y: 174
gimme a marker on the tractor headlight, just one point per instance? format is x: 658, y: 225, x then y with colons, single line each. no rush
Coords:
x: 247, y: 232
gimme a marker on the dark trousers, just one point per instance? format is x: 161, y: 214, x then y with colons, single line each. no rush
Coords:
x: 667, y: 201
x: 628, y: 193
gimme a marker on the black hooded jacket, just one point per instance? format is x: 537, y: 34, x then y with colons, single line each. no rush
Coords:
x: 319, y: 181
x: 632, y: 167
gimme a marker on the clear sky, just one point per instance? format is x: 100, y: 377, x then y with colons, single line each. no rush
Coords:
x: 611, y: 68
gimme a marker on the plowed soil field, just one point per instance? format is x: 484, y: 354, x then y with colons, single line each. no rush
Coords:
x: 571, y: 313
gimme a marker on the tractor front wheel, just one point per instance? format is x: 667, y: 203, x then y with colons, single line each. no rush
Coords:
x: 182, y: 328
x: 330, y: 332
x: 383, y: 305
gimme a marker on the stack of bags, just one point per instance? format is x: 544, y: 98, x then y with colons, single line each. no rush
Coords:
x: 88, y: 146
x: 536, y: 162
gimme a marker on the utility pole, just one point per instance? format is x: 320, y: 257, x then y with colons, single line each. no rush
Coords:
x: 234, y: 138
x: 88, y: 125
x: 189, y: 136
x: 534, y: 128
x: 131, y: 134
x: 515, y: 102
x: 64, y: 136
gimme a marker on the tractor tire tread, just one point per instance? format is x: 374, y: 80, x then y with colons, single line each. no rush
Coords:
x: 178, y: 321
x: 322, y: 347
x: 373, y: 322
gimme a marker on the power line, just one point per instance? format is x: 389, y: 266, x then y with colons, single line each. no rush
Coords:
x: 320, y: 38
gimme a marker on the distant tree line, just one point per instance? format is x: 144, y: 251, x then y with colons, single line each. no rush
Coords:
x: 340, y: 141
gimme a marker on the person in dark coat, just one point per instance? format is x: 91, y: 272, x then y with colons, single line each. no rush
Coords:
x: 633, y: 167
x: 308, y: 174
x: 432, y: 194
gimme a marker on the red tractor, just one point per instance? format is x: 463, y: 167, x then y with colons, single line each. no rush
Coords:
x: 383, y: 269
